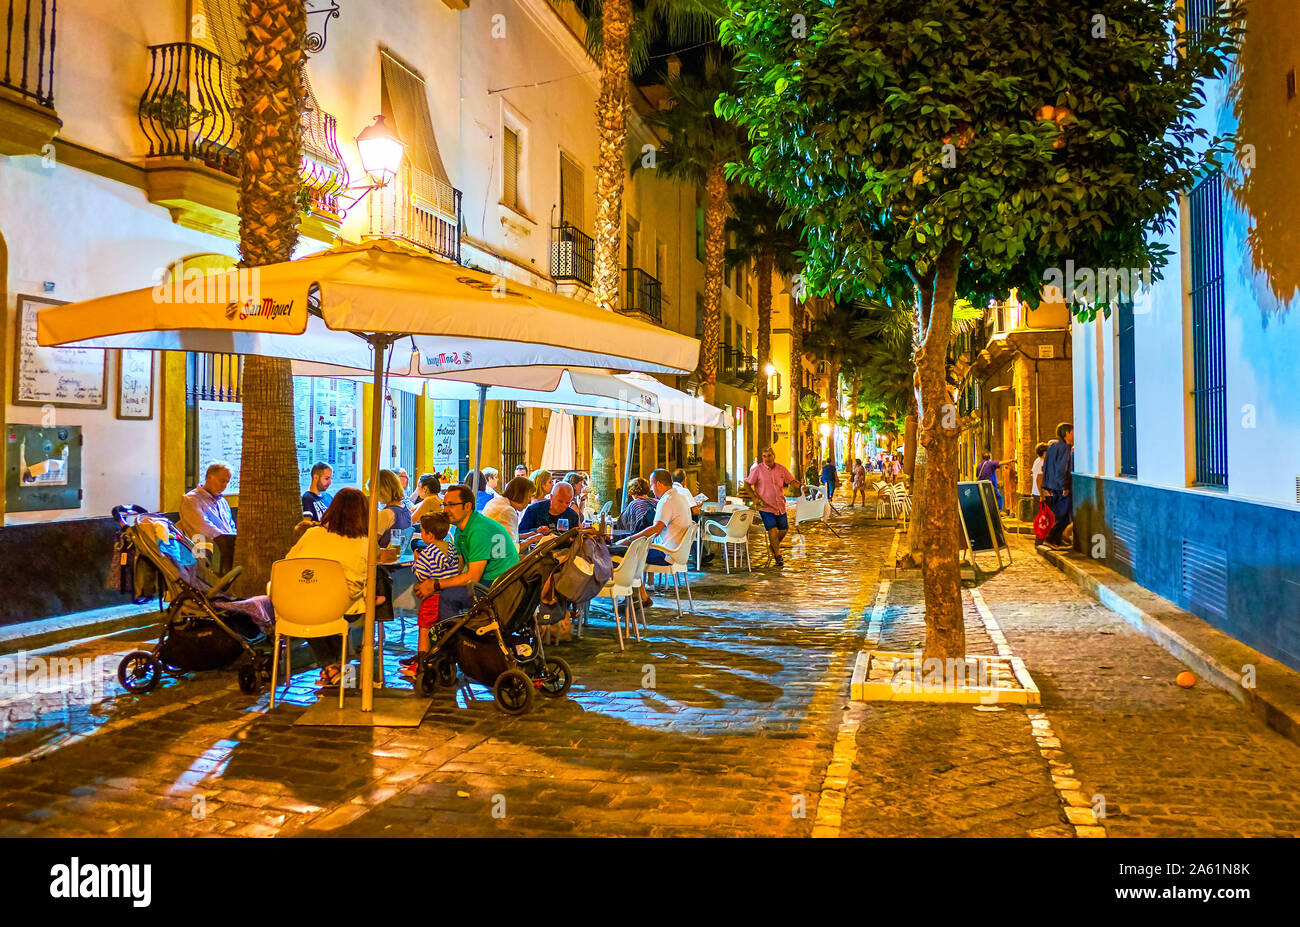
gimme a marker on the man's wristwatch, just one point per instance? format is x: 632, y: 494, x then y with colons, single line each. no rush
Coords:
x: 437, y: 586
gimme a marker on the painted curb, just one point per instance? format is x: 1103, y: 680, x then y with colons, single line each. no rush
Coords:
x: 1281, y: 717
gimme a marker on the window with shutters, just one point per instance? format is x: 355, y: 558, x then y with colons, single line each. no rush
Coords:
x: 510, y: 156
x: 1209, y: 357
x: 571, y: 193
x: 1127, y: 390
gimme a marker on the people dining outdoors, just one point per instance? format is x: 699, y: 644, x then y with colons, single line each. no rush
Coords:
x: 640, y: 511
x: 341, y: 536
x: 768, y: 480
x: 672, y: 519
x: 486, y: 550
x: 317, y: 498
x: 521, y: 470
x: 679, y: 484
x: 505, y: 507
x: 204, y: 511
x: 488, y: 479
x: 579, y: 481
x: 405, y: 479
x: 542, y: 483
x: 393, y: 513
x: 426, y: 501
x: 546, y: 513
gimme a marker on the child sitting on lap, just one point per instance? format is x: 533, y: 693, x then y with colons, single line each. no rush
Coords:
x: 437, y: 560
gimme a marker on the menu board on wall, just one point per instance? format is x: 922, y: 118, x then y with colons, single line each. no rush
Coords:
x: 135, y: 384
x: 446, y: 438
x: 74, y: 377
x: 221, y: 437
x: 326, y: 419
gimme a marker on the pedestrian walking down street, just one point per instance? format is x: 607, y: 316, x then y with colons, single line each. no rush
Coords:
x: 1058, y: 465
x: 859, y: 483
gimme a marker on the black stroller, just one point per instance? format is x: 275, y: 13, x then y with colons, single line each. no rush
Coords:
x: 498, y: 642
x: 204, y: 628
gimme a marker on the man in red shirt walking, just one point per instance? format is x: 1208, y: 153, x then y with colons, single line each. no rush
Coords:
x: 769, y: 479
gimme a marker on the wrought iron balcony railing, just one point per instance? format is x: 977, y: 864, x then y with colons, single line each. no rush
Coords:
x: 573, y: 255
x: 642, y: 293
x: 29, y: 49
x: 188, y: 111
x: 419, y: 208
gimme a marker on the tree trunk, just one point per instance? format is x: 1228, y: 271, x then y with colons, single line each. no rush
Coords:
x: 945, y: 623
x: 851, y: 454
x: 604, y: 462
x: 611, y: 161
x: 832, y: 407
x: 270, y: 130
x: 909, y: 442
x: 765, y: 260
x: 715, y: 241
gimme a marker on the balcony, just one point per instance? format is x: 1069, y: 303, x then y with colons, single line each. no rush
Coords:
x: 573, y: 255
x: 737, y: 367
x: 420, y: 209
x: 642, y: 295
x: 27, y: 119
x: 188, y: 115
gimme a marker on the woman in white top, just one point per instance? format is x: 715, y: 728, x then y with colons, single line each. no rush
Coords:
x: 1036, y: 477
x: 506, y: 506
x: 341, y: 537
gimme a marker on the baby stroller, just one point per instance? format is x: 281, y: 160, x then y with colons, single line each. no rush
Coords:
x: 204, y: 629
x: 498, y: 642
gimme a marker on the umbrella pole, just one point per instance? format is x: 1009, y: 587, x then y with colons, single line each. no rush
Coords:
x: 627, y: 464
x: 478, y: 446
x: 372, y: 529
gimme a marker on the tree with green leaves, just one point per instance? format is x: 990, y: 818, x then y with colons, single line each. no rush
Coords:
x: 763, y: 234
x: 964, y: 148
x: 700, y: 145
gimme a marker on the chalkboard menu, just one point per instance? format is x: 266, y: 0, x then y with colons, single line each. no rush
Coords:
x: 981, y: 519
x: 135, y: 384
x: 74, y: 377
x: 221, y: 437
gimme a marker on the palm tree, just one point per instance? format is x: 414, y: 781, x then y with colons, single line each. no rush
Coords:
x: 270, y: 130
x: 700, y: 144
x: 619, y: 35
x: 762, y: 235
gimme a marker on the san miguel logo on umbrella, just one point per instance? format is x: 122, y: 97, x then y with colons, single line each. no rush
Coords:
x: 265, y: 308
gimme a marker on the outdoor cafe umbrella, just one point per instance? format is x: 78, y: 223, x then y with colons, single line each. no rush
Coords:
x: 347, y: 307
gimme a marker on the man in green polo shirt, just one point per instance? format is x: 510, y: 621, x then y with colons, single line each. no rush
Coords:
x: 486, y: 551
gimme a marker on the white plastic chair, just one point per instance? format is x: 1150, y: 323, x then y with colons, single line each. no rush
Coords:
x: 677, y: 565
x: 607, y: 507
x: 626, y: 582
x: 736, y: 531
x: 309, y: 596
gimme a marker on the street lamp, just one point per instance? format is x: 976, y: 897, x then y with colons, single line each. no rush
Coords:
x: 381, y: 156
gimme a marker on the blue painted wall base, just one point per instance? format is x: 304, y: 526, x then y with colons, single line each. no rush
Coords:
x: 1233, y: 563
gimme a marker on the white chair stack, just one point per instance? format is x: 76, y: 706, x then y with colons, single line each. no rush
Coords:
x: 309, y: 596
x: 626, y: 582
x: 677, y: 566
x: 734, y: 533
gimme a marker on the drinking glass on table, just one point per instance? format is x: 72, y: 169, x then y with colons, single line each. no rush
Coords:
x: 562, y: 525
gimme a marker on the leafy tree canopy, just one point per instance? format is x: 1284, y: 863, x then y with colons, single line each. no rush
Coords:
x: 1020, y: 132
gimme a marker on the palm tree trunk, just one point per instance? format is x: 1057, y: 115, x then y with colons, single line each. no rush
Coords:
x: 715, y: 241
x: 832, y: 405
x: 851, y: 454
x: 611, y: 122
x: 909, y: 441
x: 604, y: 462
x: 945, y: 623
x: 270, y: 131
x: 765, y: 260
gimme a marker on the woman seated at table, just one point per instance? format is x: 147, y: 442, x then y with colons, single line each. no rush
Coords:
x: 505, y: 507
x: 341, y: 537
x: 428, y: 495
x: 542, y: 483
x: 393, y: 513
x: 640, y: 512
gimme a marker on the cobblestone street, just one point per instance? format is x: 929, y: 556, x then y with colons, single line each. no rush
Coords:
x: 728, y: 721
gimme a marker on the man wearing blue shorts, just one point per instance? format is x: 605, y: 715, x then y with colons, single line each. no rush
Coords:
x: 768, y: 479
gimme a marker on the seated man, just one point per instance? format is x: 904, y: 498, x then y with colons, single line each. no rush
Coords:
x: 485, y: 548
x: 544, y: 514
x: 768, y: 480
x: 205, y: 514
x: 672, y: 519
x: 317, y: 498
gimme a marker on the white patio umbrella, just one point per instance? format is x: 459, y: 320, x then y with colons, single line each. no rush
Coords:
x: 347, y: 307
x: 558, y: 455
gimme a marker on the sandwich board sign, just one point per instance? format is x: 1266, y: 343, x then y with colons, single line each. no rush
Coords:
x: 981, y: 521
